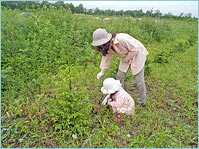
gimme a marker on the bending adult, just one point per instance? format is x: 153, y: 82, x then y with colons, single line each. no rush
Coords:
x: 133, y: 54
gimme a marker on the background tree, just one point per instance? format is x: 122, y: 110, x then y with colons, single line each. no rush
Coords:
x: 149, y: 13
x: 22, y: 5
x: 157, y: 14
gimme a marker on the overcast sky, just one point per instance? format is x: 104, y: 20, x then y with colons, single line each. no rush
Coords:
x: 174, y: 7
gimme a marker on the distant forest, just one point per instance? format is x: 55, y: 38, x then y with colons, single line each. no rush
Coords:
x: 22, y: 5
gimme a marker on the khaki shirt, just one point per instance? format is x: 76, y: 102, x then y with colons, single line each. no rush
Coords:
x: 128, y: 48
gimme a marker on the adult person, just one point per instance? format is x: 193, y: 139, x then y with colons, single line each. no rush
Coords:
x: 133, y: 54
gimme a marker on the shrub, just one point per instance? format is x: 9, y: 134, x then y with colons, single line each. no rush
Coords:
x: 71, y: 109
x: 161, y: 57
x: 181, y: 46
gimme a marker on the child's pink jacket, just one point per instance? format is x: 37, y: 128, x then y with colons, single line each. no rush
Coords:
x: 122, y: 102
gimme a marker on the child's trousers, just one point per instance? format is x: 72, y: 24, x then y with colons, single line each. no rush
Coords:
x: 140, y: 84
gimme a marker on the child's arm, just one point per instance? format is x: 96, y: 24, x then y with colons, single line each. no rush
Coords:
x: 118, y: 103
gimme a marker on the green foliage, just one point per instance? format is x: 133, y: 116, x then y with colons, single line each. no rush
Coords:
x: 161, y: 57
x: 156, y: 31
x: 71, y: 107
x: 192, y: 39
x: 181, y: 46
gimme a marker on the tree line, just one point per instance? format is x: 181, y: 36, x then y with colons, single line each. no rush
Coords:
x: 22, y: 5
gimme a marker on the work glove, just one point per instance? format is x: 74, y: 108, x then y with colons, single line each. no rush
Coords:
x: 105, y: 99
x: 99, y: 75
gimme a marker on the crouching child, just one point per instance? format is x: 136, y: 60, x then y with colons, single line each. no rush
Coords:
x: 120, y: 101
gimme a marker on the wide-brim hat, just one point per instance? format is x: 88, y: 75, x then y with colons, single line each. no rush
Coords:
x: 110, y: 85
x: 100, y: 37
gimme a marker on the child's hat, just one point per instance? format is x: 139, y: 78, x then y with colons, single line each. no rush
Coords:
x: 110, y: 85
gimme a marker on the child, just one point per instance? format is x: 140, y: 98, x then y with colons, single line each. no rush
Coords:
x: 118, y: 98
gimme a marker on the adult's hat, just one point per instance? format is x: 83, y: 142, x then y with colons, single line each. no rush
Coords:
x: 100, y: 37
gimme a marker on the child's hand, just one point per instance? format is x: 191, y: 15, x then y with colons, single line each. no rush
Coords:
x: 109, y: 99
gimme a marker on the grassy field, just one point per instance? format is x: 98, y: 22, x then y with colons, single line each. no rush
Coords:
x: 50, y: 97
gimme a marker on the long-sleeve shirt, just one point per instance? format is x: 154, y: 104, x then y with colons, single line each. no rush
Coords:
x: 122, y: 102
x: 128, y: 48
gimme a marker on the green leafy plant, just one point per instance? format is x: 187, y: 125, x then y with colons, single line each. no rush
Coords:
x: 71, y: 108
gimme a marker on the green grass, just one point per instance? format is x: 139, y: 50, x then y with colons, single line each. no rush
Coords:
x: 50, y: 92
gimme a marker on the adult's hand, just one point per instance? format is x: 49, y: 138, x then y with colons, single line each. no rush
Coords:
x: 99, y: 75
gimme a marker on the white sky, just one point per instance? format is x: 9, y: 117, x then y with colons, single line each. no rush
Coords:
x: 174, y: 7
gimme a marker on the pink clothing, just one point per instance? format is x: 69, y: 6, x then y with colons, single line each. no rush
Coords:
x: 122, y: 102
x: 129, y: 48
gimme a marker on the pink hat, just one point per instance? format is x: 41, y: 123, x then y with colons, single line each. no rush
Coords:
x: 100, y: 37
